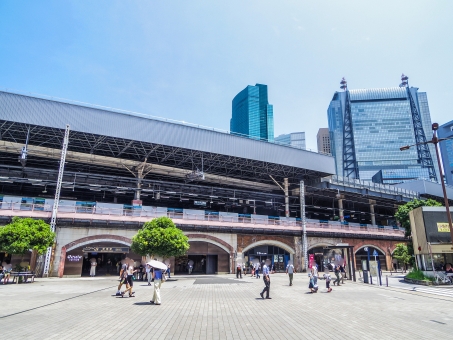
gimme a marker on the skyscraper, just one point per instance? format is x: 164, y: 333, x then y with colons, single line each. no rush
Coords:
x: 446, y: 148
x: 323, y: 139
x: 252, y: 115
x: 367, y: 128
x: 296, y: 139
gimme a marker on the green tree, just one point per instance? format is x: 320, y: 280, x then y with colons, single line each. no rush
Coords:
x: 160, y: 237
x: 401, y: 254
x: 24, y: 234
x: 402, y: 215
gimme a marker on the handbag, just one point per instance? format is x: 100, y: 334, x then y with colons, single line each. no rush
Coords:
x: 164, y: 278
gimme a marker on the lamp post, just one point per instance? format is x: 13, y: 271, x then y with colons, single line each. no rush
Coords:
x: 435, y: 140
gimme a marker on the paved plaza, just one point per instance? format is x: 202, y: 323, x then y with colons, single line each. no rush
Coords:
x: 221, y: 307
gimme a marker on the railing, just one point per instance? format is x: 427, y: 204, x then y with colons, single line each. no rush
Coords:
x: 73, y: 211
x: 356, y: 183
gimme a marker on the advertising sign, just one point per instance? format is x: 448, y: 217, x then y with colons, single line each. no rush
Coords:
x: 437, y: 230
x: 442, y: 227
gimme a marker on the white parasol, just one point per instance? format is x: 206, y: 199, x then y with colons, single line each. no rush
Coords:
x: 157, y: 264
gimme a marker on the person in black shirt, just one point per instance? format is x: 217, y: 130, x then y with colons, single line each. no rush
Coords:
x: 337, y: 275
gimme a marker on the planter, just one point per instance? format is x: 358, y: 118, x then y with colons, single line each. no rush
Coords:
x: 418, y: 282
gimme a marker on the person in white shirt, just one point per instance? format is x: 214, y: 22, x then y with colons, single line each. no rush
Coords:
x: 93, y: 268
x: 290, y: 271
x: 149, y: 275
x: 267, y: 282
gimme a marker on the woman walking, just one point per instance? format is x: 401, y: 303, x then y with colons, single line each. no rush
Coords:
x: 130, y: 282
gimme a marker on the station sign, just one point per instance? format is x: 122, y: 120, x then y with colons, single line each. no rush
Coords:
x: 106, y: 250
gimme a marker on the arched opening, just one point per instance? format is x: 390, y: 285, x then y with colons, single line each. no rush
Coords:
x: 361, y: 257
x: 203, y: 257
x: 323, y: 256
x: 107, y: 255
x: 277, y: 255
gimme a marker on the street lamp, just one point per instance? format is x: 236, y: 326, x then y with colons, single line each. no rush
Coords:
x: 436, y: 141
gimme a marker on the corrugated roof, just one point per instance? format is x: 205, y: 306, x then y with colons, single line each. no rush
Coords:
x: 55, y: 114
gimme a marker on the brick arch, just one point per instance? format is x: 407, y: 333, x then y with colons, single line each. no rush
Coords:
x: 213, y: 239
x: 97, y: 238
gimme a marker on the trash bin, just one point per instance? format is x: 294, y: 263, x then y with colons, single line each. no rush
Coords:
x: 365, y: 276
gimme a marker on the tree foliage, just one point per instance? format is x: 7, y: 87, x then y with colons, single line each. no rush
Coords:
x: 23, y: 234
x: 401, y: 253
x: 402, y: 215
x: 160, y: 237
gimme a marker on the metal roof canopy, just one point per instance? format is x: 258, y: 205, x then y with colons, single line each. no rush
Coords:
x: 127, y: 136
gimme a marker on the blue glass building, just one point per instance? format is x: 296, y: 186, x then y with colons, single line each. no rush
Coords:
x: 446, y: 148
x: 296, y: 139
x: 252, y: 115
x: 381, y: 122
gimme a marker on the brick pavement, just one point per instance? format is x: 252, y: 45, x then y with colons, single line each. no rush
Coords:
x: 87, y: 309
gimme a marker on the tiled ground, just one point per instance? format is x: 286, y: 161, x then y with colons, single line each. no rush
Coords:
x: 221, y: 309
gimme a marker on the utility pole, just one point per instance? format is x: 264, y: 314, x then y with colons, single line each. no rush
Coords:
x: 53, y: 220
x: 435, y: 140
x: 304, y: 224
x: 286, y: 191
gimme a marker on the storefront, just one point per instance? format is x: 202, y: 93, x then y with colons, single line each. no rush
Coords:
x: 107, y: 257
x: 205, y: 258
x: 431, y: 238
x: 278, y: 256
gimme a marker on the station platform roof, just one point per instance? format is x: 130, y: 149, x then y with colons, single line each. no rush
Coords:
x: 116, y: 137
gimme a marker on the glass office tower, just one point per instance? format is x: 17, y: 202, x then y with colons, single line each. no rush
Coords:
x: 381, y: 121
x: 252, y: 115
x: 296, y: 139
x: 446, y: 148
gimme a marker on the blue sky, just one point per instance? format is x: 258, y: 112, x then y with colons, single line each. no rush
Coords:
x: 186, y: 60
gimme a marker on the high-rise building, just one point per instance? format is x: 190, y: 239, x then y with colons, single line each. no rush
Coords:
x: 446, y: 148
x: 323, y: 139
x: 367, y: 128
x: 252, y: 115
x: 296, y: 139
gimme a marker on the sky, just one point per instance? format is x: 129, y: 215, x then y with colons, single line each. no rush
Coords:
x: 186, y: 59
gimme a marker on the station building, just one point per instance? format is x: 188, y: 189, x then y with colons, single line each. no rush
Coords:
x: 237, y: 199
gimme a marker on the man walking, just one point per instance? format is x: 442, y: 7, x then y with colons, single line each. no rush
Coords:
x: 157, y: 276
x: 123, y: 278
x: 337, y: 275
x: 238, y: 271
x: 267, y: 282
x: 290, y: 272
x: 257, y: 270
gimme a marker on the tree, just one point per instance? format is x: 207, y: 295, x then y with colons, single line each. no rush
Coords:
x: 160, y: 237
x: 401, y: 254
x: 24, y: 234
x: 402, y: 215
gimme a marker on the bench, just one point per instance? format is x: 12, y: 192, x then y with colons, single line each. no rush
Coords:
x: 25, y: 275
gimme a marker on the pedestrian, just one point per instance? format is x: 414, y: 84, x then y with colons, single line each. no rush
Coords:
x: 93, y: 267
x: 314, y: 270
x: 328, y: 279
x: 238, y: 271
x: 169, y: 270
x: 129, y: 281
x: 342, y: 273
x: 244, y: 270
x: 313, y: 285
x: 190, y: 267
x: 149, y: 274
x: 337, y: 275
x: 267, y: 282
x: 157, y: 276
x: 123, y: 278
x: 290, y: 272
x: 257, y: 270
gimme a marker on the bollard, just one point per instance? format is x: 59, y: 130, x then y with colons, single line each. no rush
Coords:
x: 387, y: 280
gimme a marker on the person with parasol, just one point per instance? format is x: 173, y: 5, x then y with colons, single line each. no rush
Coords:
x: 158, y: 276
